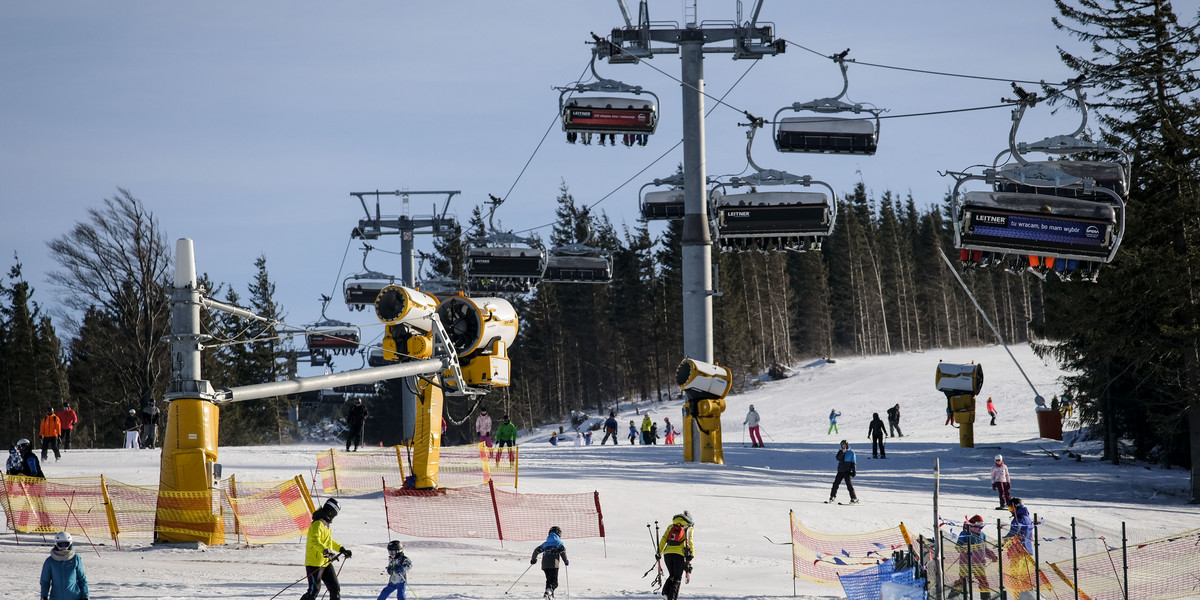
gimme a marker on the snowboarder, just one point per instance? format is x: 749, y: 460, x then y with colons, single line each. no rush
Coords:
x: 991, y: 408
x: 483, y: 427
x: 51, y: 428
x: 322, y: 549
x: 633, y: 433
x: 1000, y: 482
x: 647, y: 425
x: 131, y: 429
x: 751, y: 421
x: 893, y: 415
x: 354, y: 423
x: 833, y: 415
x: 845, y: 472
x: 397, y: 570
x: 68, y: 417
x: 876, y: 433
x: 675, y: 548
x: 30, y: 466
x: 551, y: 550
x: 610, y: 428
x: 973, y: 542
x: 62, y: 573
x: 668, y: 432
x: 506, y: 435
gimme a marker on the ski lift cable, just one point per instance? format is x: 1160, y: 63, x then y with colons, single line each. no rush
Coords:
x: 719, y: 101
x: 659, y: 158
x: 913, y: 70
x: 337, y: 281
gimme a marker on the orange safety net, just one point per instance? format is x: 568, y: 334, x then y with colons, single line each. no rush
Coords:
x: 1162, y: 569
x: 37, y: 505
x: 134, y: 509
x: 487, y: 513
x: 987, y: 562
x: 820, y: 557
x: 463, y: 466
x: 360, y: 472
x: 279, y: 513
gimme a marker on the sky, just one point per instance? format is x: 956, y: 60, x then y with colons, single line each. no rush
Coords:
x: 246, y: 126
x: 740, y: 508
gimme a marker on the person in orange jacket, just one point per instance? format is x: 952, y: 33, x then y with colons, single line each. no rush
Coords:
x: 51, y: 429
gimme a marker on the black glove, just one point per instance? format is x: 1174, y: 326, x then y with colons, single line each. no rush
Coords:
x: 566, y: 562
x: 533, y: 561
x: 687, y: 566
x: 347, y: 553
x: 657, y: 556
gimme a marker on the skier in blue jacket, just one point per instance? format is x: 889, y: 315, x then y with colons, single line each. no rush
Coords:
x: 551, y: 550
x: 62, y: 573
x: 846, y: 471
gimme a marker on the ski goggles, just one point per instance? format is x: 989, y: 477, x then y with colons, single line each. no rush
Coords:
x: 62, y: 545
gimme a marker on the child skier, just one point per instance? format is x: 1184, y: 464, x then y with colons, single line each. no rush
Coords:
x: 633, y: 433
x: 551, y: 550
x: 1001, y: 483
x: 62, y: 573
x: 397, y: 570
x: 669, y: 430
x: 833, y: 415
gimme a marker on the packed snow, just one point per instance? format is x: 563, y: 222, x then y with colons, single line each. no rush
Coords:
x: 741, y: 507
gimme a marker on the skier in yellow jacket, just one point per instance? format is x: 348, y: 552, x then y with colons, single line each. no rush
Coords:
x: 322, y: 549
x: 675, y: 547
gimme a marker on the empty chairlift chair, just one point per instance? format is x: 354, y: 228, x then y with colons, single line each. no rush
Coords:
x: 826, y: 132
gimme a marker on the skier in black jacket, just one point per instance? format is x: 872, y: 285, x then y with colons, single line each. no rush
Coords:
x: 355, y: 421
x: 876, y: 432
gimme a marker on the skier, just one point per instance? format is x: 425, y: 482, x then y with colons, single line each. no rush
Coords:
x: 397, y: 570
x: 833, y: 415
x: 506, y: 435
x: 676, y: 549
x: 752, y: 421
x: 845, y: 472
x: 551, y: 550
x: 647, y: 425
x: 131, y: 429
x: 610, y: 428
x: 30, y: 466
x: 320, y: 552
x: 633, y: 433
x: 149, y: 423
x: 483, y: 427
x: 51, y: 428
x: 875, y: 433
x: 654, y: 433
x: 13, y: 466
x: 1021, y: 526
x: 668, y: 432
x: 973, y: 542
x: 553, y: 438
x: 68, y: 417
x: 1001, y: 482
x: 991, y: 408
x: 893, y: 415
x: 62, y: 573
x: 355, y: 422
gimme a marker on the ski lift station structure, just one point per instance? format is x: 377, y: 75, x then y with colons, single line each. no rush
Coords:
x: 1063, y: 216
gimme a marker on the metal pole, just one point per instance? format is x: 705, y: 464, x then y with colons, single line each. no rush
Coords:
x: 1000, y: 555
x: 1125, y: 560
x: 697, y: 241
x: 937, y: 530
x: 1074, y: 562
x: 1037, y: 565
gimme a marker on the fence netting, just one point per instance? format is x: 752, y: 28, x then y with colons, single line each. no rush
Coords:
x: 487, y: 513
x: 821, y: 557
x: 458, y: 466
x: 280, y: 512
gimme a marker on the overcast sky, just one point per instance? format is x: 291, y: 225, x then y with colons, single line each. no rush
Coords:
x: 246, y: 125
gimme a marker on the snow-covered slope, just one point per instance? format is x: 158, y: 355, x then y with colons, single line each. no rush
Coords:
x: 737, y: 505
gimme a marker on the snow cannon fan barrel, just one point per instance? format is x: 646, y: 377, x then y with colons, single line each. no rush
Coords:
x: 703, y: 381
x: 409, y: 315
x: 957, y: 380
x: 480, y: 330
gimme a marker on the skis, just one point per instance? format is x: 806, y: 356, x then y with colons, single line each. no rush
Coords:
x: 848, y: 503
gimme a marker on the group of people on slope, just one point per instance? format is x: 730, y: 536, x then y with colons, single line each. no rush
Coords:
x: 322, y: 550
x: 975, y: 554
x: 141, y: 428
x: 506, y: 434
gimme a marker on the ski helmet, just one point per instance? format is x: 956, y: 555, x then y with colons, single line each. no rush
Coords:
x: 751, y: 407
x: 395, y: 547
x: 999, y: 458
x: 63, y: 539
x: 332, y: 508
x: 686, y: 517
x: 556, y: 530
x: 23, y: 443
x: 132, y: 411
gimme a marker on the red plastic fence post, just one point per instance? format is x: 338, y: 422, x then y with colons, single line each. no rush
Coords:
x: 496, y: 510
x: 600, y: 521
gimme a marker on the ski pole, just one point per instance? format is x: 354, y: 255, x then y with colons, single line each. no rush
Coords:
x: 567, y: 580
x: 71, y: 513
x: 288, y: 586
x: 765, y: 431
x: 519, y: 577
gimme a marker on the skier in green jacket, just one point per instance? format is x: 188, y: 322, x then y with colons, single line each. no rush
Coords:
x: 506, y: 435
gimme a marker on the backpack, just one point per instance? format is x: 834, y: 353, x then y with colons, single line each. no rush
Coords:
x: 676, y: 534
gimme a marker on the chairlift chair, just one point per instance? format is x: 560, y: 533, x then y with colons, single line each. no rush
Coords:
x: 578, y: 263
x: 609, y: 108
x: 667, y: 205
x: 342, y: 340
x: 827, y: 133
x: 361, y: 290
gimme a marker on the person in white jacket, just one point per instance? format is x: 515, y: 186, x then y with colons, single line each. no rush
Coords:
x: 755, y: 432
x: 483, y: 427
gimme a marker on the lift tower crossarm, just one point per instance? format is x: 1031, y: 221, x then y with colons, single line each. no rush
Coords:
x: 306, y: 384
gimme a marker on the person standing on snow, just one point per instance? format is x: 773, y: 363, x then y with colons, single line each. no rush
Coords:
x: 355, y: 422
x: 320, y: 552
x: 973, y: 542
x: 833, y: 415
x: 68, y: 418
x: 13, y: 466
x: 991, y: 408
x: 633, y: 433
x: 752, y: 421
x: 62, y: 573
x: 506, y: 435
x: 845, y: 472
x: 149, y: 423
x: 676, y: 549
x: 30, y: 466
x: 654, y: 433
x: 551, y: 550
x: 668, y: 432
x: 483, y: 427
x: 875, y: 433
x: 647, y: 425
x: 893, y: 415
x: 50, y: 430
x: 1021, y: 526
x: 1001, y: 482
x: 397, y: 570
x: 610, y: 428
x: 131, y: 429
